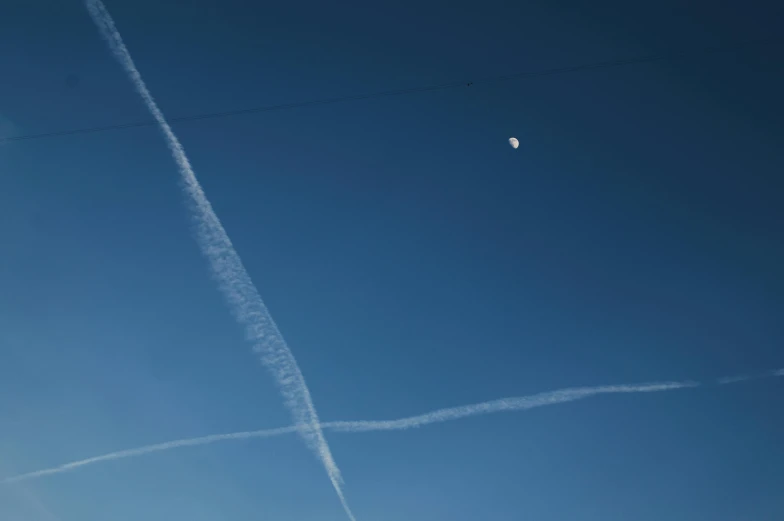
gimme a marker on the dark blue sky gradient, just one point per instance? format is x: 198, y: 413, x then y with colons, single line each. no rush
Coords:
x: 411, y: 258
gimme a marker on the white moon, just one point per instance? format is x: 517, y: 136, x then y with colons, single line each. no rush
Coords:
x: 513, y: 141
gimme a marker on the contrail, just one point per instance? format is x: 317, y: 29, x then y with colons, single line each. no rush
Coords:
x: 233, y: 280
x: 504, y: 404
x: 28, y: 496
x: 737, y: 379
x: 148, y: 449
x: 518, y: 403
x: 747, y: 377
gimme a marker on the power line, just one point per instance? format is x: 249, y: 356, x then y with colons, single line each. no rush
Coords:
x: 399, y: 92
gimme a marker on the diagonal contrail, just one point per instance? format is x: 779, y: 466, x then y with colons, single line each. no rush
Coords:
x: 233, y: 279
x: 518, y: 403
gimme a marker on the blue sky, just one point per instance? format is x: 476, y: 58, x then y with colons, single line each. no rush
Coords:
x: 411, y: 258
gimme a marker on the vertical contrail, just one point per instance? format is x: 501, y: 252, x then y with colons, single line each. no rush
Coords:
x: 233, y: 279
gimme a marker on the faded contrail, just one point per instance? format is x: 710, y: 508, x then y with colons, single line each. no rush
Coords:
x: 233, y: 279
x: 148, y: 449
x: 441, y: 415
x: 747, y: 377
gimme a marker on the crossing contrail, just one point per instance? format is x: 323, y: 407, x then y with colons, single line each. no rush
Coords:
x: 517, y: 403
x: 233, y: 280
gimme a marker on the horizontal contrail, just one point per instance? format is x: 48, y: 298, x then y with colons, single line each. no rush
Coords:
x: 734, y: 379
x: 518, y: 403
x: 441, y: 415
x: 747, y: 377
x: 149, y: 449
x: 234, y: 281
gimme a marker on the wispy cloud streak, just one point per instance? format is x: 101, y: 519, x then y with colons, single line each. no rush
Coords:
x: 228, y: 270
x: 519, y: 403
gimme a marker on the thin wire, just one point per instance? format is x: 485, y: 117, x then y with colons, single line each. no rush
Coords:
x: 399, y: 92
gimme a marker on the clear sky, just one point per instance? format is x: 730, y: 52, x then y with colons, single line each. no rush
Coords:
x: 412, y: 259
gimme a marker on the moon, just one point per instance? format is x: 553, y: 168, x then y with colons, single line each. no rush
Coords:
x: 513, y: 141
